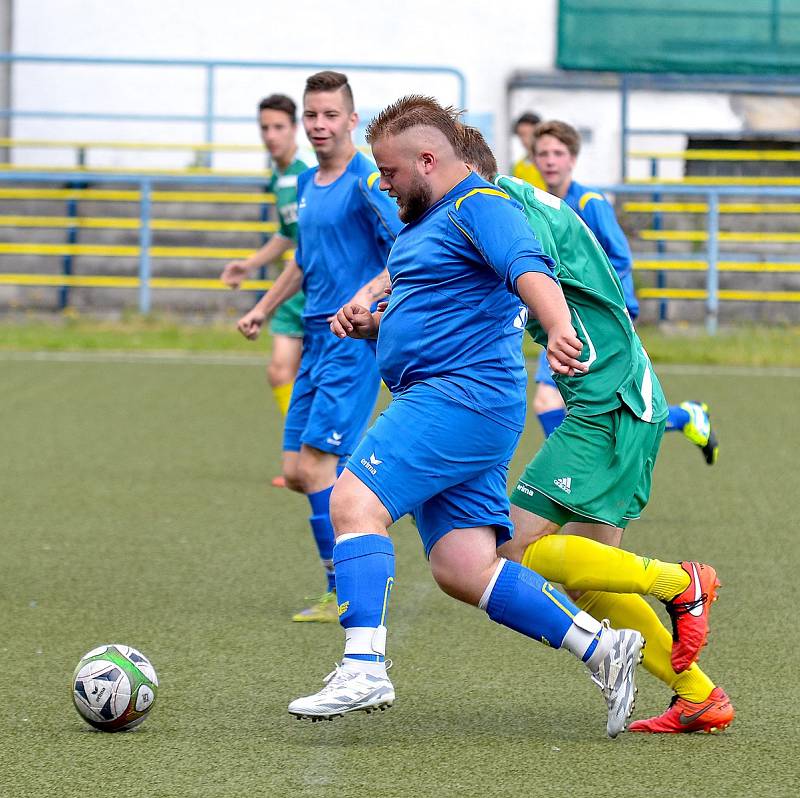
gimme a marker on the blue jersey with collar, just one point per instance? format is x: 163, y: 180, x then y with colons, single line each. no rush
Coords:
x: 345, y: 232
x: 452, y: 321
x: 599, y: 216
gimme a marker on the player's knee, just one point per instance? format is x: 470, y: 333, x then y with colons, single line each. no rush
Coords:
x: 456, y: 582
x: 304, y: 476
x: 292, y: 479
x: 345, y: 510
x: 546, y: 399
x: 279, y: 373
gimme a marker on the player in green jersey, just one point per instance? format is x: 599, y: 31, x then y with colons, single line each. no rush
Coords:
x: 278, y: 121
x: 594, y: 472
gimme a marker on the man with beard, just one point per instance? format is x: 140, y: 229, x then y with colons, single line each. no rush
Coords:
x: 346, y: 227
x: 450, y: 351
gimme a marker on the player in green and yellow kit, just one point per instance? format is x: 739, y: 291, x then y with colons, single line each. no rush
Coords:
x: 278, y: 123
x: 594, y: 472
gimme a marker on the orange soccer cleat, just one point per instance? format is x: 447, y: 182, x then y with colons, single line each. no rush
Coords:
x: 712, y: 715
x: 278, y: 482
x: 689, y: 614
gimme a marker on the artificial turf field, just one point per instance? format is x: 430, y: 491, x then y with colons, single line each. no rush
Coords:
x: 135, y: 510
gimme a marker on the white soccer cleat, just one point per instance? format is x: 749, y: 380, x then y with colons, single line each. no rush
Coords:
x: 615, y: 675
x: 346, y: 690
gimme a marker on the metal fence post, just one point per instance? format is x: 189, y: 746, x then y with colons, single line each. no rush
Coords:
x: 623, y: 133
x: 712, y: 276
x: 661, y: 277
x: 145, y: 238
x: 209, y: 155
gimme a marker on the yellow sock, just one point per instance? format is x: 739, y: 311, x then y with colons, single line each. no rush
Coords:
x: 579, y: 563
x: 630, y: 611
x: 282, y: 394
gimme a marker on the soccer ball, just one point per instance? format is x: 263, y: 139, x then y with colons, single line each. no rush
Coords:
x: 114, y: 687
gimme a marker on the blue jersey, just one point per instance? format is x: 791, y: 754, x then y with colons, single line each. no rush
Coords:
x: 452, y: 321
x: 345, y: 232
x: 599, y: 216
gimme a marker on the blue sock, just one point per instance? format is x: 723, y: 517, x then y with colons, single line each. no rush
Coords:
x: 364, y: 578
x: 677, y: 419
x: 322, y: 529
x: 525, y: 602
x: 551, y: 420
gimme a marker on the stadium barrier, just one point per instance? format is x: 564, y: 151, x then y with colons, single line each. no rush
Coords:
x: 152, y: 188
x: 211, y: 73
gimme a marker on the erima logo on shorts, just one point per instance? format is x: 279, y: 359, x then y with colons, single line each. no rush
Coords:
x: 335, y: 438
x: 371, y: 463
x: 565, y: 483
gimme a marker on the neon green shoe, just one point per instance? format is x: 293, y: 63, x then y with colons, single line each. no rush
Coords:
x: 699, y: 431
x: 324, y: 610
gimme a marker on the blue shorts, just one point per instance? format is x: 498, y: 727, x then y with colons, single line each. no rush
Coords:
x: 334, y: 394
x: 543, y: 373
x: 448, y: 465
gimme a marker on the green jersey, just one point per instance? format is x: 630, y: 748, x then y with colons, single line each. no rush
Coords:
x: 619, y: 370
x: 283, y: 184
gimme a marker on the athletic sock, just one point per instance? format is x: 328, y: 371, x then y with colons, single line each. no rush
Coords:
x: 677, y: 419
x: 551, y: 420
x: 364, y: 578
x: 520, y: 599
x: 633, y: 612
x: 322, y: 530
x: 579, y: 563
x: 283, y: 395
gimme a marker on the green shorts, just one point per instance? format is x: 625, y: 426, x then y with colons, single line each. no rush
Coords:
x: 592, y: 469
x: 288, y: 318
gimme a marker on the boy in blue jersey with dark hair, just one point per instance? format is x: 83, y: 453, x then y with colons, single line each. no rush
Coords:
x: 464, y: 271
x: 555, y: 151
x: 346, y: 227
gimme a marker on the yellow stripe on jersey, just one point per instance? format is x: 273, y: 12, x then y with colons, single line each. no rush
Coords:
x: 372, y: 178
x: 589, y: 195
x: 493, y: 191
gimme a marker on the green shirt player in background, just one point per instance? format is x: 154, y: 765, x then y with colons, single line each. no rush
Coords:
x: 593, y: 474
x: 277, y: 116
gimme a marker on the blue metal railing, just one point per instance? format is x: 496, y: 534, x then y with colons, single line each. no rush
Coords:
x: 209, y: 117
x: 145, y: 184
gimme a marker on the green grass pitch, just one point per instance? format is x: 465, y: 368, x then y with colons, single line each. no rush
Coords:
x: 135, y: 509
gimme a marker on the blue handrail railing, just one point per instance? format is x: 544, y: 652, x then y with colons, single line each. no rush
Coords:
x: 146, y: 182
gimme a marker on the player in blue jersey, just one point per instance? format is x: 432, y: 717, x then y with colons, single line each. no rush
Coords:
x: 449, y: 348
x: 346, y: 227
x: 556, y: 146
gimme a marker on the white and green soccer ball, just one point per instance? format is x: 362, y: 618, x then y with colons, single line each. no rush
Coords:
x: 114, y: 687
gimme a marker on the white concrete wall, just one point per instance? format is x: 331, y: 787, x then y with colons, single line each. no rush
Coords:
x: 486, y: 41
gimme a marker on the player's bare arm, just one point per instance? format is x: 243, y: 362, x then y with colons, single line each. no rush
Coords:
x: 547, y: 303
x: 377, y: 288
x: 287, y: 285
x: 356, y: 321
x: 238, y: 270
